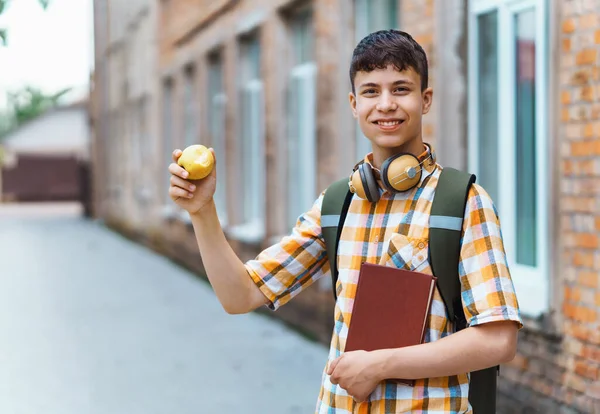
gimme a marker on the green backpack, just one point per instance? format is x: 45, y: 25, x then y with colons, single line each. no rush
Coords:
x: 445, y: 231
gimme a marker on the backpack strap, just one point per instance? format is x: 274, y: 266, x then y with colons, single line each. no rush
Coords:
x: 445, y: 237
x: 333, y: 214
x: 445, y: 234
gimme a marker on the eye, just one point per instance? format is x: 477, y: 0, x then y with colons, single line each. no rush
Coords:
x: 401, y: 89
x: 369, y: 91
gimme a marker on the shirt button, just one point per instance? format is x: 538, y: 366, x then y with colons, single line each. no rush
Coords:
x: 420, y: 258
x: 421, y: 245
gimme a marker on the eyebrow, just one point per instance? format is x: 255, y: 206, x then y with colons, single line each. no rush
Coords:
x: 374, y: 85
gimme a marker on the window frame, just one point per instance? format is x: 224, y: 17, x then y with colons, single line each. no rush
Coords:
x: 167, y: 138
x: 217, y: 110
x: 252, y: 167
x: 252, y: 228
x: 532, y: 284
x: 142, y: 145
x: 191, y: 111
x: 301, y: 188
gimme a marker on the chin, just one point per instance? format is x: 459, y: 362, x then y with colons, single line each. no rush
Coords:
x: 389, y: 141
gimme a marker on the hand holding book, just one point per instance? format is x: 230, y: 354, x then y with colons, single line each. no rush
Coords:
x: 390, y: 309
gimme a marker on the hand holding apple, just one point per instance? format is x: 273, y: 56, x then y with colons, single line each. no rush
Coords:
x: 193, y: 177
x: 197, y: 160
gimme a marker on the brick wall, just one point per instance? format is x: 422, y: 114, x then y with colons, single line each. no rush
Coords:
x: 558, y: 366
x: 123, y: 112
x: 580, y: 196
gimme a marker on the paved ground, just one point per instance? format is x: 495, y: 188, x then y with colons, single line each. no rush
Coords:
x: 91, y: 323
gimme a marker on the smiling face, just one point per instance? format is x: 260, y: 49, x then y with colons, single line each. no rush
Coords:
x: 389, y: 105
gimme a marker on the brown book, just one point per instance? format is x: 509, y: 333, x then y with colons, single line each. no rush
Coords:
x: 390, y: 309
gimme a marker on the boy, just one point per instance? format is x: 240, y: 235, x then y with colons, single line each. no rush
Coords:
x: 390, y: 94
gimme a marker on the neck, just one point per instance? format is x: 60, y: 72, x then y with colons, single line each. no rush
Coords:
x: 380, y: 154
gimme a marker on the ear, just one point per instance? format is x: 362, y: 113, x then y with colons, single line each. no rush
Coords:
x: 352, y: 98
x: 427, y: 99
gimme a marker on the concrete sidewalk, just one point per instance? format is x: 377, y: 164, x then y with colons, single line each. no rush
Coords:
x: 41, y: 209
x: 92, y: 323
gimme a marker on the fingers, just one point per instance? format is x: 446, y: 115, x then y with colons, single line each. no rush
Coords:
x: 176, y: 154
x: 332, y: 365
x: 179, y: 182
x: 180, y: 187
x: 178, y: 171
x: 178, y: 192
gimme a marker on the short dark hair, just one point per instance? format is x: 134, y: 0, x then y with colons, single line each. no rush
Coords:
x: 389, y: 47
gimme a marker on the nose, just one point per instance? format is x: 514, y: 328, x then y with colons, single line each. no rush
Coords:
x: 386, y: 102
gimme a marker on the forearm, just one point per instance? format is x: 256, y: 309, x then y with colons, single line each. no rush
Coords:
x: 227, y: 274
x: 471, y: 349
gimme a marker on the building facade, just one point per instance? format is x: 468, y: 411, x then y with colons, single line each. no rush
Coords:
x: 123, y: 108
x: 265, y: 82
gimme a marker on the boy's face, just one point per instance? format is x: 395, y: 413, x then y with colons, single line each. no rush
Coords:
x: 389, y: 105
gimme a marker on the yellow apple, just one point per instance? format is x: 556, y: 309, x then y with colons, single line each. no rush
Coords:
x: 197, y: 160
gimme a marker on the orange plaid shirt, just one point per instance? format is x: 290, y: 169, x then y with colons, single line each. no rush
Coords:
x: 394, y: 232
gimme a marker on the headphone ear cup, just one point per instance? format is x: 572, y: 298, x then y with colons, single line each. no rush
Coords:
x: 401, y: 172
x: 356, y: 185
x: 371, y: 189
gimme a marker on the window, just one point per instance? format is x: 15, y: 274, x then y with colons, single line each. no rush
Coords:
x: 131, y: 146
x: 141, y: 146
x: 114, y: 154
x: 190, y: 110
x: 120, y: 151
x: 217, y: 101
x: 167, y: 133
x: 371, y: 16
x: 251, y: 149
x: 508, y: 82
x: 301, y: 107
x: 142, y: 121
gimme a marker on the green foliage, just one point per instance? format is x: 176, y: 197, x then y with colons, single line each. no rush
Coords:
x: 3, y: 5
x: 43, y: 3
x: 27, y: 104
x: 6, y: 124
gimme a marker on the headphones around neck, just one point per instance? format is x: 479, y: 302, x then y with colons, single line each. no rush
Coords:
x: 401, y: 172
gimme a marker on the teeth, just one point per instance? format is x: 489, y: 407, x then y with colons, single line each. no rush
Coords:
x: 388, y: 123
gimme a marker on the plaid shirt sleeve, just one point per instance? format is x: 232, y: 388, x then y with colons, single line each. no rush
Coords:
x: 285, y: 269
x: 488, y: 293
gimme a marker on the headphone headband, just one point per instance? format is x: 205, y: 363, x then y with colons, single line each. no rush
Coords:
x: 394, y: 172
